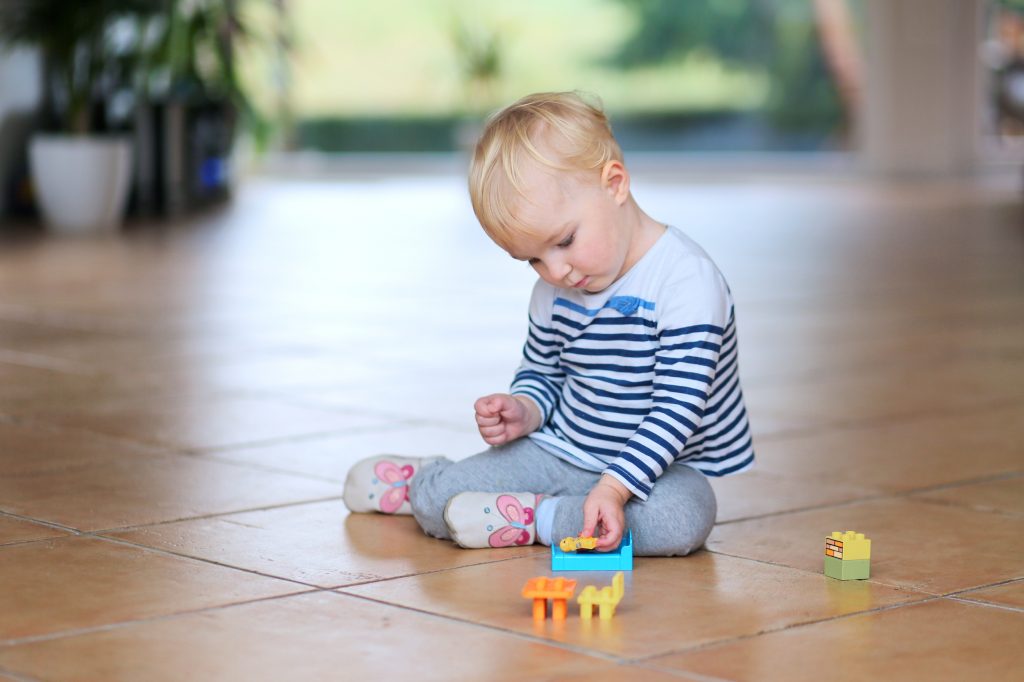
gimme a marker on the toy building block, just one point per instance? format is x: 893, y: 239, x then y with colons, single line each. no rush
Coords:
x: 847, y: 569
x: 620, y: 559
x: 558, y: 590
x: 606, y: 599
x: 848, y: 545
x: 848, y: 556
x: 571, y: 544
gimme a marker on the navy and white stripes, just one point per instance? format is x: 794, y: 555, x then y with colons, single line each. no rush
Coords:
x: 633, y: 384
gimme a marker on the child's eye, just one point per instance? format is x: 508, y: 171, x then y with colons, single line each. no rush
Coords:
x: 568, y: 240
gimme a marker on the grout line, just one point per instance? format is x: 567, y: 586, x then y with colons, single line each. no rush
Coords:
x: 37, y: 361
x: 991, y: 605
x: 870, y: 581
x: 1001, y: 583
x: 335, y: 587
x: 283, y: 505
x: 18, y: 677
x: 594, y: 653
x: 685, y: 674
x: 800, y: 432
x: 76, y: 632
x: 434, y: 571
x: 910, y: 492
x: 792, y: 626
x: 213, y: 457
x: 957, y: 595
x: 41, y: 522
x: 954, y: 504
x: 167, y: 552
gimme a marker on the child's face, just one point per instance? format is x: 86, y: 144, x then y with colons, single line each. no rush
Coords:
x: 578, y: 235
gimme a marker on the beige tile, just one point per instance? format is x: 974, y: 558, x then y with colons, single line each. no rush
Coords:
x: 320, y: 544
x: 914, y: 545
x: 757, y: 492
x: 669, y: 603
x: 1005, y: 496
x: 903, y: 455
x: 415, y: 396
x: 861, y: 396
x: 331, y: 456
x: 306, y: 637
x: 211, y: 421
x: 24, y: 387
x: 251, y: 371
x: 133, y: 491
x: 29, y: 450
x: 937, y: 640
x: 18, y: 530
x: 1010, y: 594
x: 56, y: 585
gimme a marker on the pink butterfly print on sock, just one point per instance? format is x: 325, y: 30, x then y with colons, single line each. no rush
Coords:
x: 397, y: 480
x: 518, y: 517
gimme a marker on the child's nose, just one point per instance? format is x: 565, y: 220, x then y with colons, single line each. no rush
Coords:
x: 560, y: 268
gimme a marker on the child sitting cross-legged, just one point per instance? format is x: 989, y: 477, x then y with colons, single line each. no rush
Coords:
x: 628, y: 394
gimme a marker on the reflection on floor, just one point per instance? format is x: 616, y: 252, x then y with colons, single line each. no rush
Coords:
x: 179, y: 406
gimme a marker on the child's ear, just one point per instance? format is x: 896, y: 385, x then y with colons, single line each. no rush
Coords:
x: 615, y: 179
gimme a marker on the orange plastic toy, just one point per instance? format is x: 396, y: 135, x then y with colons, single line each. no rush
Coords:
x: 558, y: 590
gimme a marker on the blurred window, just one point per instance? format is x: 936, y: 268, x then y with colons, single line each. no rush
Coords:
x: 714, y: 75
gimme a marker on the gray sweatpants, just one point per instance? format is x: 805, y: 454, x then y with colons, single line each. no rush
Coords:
x: 675, y: 520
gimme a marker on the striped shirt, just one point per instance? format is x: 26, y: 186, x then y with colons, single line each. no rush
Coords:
x: 643, y: 374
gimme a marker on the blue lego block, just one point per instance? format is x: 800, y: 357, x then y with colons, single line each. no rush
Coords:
x: 620, y: 559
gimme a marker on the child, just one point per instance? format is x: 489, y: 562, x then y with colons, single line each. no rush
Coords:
x: 628, y: 393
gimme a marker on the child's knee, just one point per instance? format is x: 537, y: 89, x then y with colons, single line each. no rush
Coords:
x: 684, y: 524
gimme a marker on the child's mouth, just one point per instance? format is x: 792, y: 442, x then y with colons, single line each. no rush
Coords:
x: 581, y: 283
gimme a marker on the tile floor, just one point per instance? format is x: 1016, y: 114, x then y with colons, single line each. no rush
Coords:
x: 179, y: 406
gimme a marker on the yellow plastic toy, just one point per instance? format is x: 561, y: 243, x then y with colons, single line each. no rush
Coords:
x: 607, y: 598
x: 558, y: 590
x: 571, y: 544
x: 848, y: 556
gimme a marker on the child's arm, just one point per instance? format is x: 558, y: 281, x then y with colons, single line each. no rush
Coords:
x: 540, y: 376
x: 502, y: 418
x: 604, y: 509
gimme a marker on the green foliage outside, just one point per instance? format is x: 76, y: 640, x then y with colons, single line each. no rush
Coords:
x: 357, y: 67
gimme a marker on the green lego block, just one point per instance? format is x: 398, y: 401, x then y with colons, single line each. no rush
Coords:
x: 847, y: 569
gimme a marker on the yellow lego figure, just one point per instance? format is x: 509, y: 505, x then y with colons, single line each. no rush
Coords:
x: 606, y: 599
x: 848, y: 556
x: 571, y: 544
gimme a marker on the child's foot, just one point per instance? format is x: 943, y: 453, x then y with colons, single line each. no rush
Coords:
x: 381, y: 483
x: 478, y: 520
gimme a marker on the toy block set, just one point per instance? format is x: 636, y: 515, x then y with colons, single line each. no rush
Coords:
x: 579, y: 554
x: 560, y: 591
x: 848, y: 556
x: 574, y: 554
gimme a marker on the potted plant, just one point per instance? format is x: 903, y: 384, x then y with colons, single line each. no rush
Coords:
x: 80, y: 175
x: 169, y: 52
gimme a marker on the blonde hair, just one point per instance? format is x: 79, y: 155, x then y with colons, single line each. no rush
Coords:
x: 579, y: 133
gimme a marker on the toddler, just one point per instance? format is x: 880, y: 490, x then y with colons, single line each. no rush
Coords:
x: 628, y: 393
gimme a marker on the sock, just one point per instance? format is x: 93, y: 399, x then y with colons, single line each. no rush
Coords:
x: 546, y: 519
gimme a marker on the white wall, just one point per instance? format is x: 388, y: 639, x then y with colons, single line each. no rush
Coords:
x: 922, y: 105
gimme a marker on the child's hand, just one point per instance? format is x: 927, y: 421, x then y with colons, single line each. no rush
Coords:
x: 502, y: 418
x: 603, y: 509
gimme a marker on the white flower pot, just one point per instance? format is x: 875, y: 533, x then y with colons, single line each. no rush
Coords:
x: 81, y: 182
